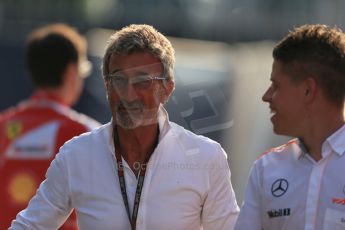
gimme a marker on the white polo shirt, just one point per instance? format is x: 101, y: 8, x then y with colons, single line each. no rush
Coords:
x: 187, y: 185
x: 287, y: 189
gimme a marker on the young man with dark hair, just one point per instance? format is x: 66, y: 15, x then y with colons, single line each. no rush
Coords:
x: 32, y: 132
x: 301, y: 185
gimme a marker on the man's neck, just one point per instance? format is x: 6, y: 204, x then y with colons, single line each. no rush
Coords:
x: 317, y: 134
x: 54, y: 93
x: 137, y: 145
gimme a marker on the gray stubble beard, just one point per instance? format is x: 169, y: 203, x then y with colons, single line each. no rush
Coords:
x: 146, y: 117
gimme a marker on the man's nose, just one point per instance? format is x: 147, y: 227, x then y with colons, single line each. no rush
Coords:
x: 129, y: 93
x: 267, y: 95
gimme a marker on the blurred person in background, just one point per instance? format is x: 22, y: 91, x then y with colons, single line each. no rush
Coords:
x: 32, y: 132
x: 139, y: 171
x: 301, y: 185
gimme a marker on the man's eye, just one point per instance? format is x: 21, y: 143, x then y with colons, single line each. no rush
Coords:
x: 141, y: 79
x: 142, y: 82
x: 119, y: 80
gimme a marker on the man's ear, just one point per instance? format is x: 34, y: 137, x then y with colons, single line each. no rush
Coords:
x: 70, y: 73
x: 71, y: 84
x: 106, y: 83
x: 310, y: 89
x: 169, y: 88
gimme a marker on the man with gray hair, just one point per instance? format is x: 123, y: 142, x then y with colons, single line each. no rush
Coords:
x: 139, y: 171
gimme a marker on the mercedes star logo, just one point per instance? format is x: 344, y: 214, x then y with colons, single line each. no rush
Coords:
x: 279, y: 187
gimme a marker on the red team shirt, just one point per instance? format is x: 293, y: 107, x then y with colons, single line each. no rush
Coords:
x: 30, y: 136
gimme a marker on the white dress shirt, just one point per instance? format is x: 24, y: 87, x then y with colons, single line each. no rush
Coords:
x: 187, y: 185
x: 288, y: 189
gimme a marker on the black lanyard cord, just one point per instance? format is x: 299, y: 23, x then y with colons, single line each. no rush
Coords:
x: 122, y: 182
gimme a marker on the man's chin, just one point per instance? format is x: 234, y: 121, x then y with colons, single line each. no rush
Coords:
x: 129, y: 119
x: 130, y: 113
x: 276, y: 130
x: 132, y: 124
x: 125, y: 126
x: 281, y: 132
x: 127, y: 122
